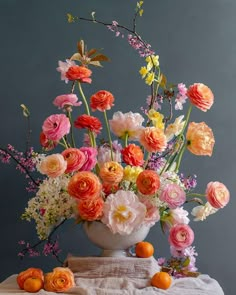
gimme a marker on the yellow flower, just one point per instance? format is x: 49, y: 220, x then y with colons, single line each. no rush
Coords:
x: 150, y: 78
x: 175, y: 128
x: 152, y: 60
x: 131, y: 173
x: 157, y: 118
x: 143, y: 72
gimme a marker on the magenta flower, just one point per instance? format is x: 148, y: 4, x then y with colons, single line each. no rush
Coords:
x: 66, y: 101
x: 173, y: 195
x: 90, y: 158
x: 181, y: 236
x: 56, y: 126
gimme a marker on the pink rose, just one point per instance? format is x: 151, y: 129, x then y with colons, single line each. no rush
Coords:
x: 173, y: 195
x: 201, y: 96
x: 217, y: 194
x: 66, y: 101
x: 181, y: 236
x: 56, y: 126
x: 53, y: 165
x: 90, y: 158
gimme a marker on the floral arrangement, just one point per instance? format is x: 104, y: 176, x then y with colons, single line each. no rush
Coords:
x: 130, y: 178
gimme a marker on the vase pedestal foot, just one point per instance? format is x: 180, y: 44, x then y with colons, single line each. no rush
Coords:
x: 114, y: 253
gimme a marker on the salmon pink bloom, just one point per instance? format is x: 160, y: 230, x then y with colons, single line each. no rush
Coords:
x: 173, y: 195
x: 152, y: 214
x: 91, y: 209
x: 84, y: 185
x: 101, y: 101
x: 148, y: 182
x: 75, y: 159
x: 200, y: 139
x: 88, y: 122
x: 153, y: 139
x: 217, y: 194
x: 90, y: 161
x: 133, y: 155
x: 126, y: 124
x: 79, y: 73
x: 201, y: 96
x: 56, y: 126
x: 181, y: 236
x: 66, y: 101
x: 111, y: 172
x: 53, y: 165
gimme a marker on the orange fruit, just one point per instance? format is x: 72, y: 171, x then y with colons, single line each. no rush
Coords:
x: 33, y: 284
x: 144, y: 249
x: 161, y: 280
x: 29, y: 272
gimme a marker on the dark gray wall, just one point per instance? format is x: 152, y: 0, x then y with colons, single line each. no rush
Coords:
x: 196, y: 42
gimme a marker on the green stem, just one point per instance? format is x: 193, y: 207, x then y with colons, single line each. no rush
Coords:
x: 126, y: 138
x: 182, y: 150
x: 64, y: 143
x: 187, y: 118
x: 195, y: 195
x: 109, y: 134
x: 92, y: 138
x: 71, y: 129
x: 84, y: 98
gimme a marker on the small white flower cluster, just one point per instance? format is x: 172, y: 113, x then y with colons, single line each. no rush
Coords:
x: 51, y: 205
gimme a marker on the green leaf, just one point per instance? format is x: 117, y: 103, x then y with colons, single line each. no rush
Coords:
x: 76, y: 56
x: 163, y: 81
x: 70, y: 18
x: 186, y: 262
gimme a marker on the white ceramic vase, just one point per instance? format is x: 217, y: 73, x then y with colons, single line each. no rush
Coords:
x: 113, y: 245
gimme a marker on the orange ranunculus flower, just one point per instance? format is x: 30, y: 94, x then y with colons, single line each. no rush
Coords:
x: 91, y: 209
x: 80, y: 73
x: 89, y: 122
x: 201, y: 96
x: 153, y: 139
x: 111, y: 172
x: 61, y: 279
x: 101, y: 101
x: 133, y: 155
x: 29, y: 273
x: 84, y: 185
x: 110, y: 188
x: 148, y: 182
x: 200, y: 139
x: 75, y: 159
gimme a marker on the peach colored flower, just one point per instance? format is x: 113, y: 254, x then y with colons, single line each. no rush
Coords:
x: 181, y: 236
x: 217, y: 194
x: 84, y: 185
x: 46, y: 143
x: 201, y: 96
x: 28, y: 273
x: 75, y: 159
x: 91, y: 209
x: 133, y: 155
x: 88, y: 122
x: 66, y: 101
x: 200, y: 139
x: 153, y: 139
x: 101, y: 101
x: 148, y: 182
x: 80, y: 73
x: 111, y: 172
x: 173, y: 195
x: 56, y: 126
x: 61, y: 279
x: 53, y: 165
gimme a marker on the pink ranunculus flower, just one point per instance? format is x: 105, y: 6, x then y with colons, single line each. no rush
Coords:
x: 123, y: 124
x: 56, y: 126
x: 173, y: 195
x: 63, y: 67
x: 152, y: 215
x: 90, y: 158
x: 66, y: 101
x: 217, y: 194
x: 75, y: 159
x: 53, y: 165
x: 123, y: 213
x: 181, y: 236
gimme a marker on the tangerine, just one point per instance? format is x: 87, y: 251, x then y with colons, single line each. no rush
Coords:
x: 33, y: 284
x: 161, y: 280
x: 144, y: 249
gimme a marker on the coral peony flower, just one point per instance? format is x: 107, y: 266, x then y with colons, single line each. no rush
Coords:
x: 101, y: 101
x: 53, y: 165
x: 123, y: 213
x: 84, y: 185
x: 61, y: 279
x: 75, y: 159
x: 111, y: 172
x: 88, y: 122
x: 173, y: 195
x: 148, y: 182
x: 56, y: 126
x: 217, y: 194
x: 91, y: 209
x: 79, y: 73
x: 133, y: 155
x: 200, y: 139
x: 153, y: 139
x: 47, y: 144
x: 90, y: 154
x: 63, y: 67
x: 29, y: 273
x: 66, y: 101
x: 181, y: 236
x: 126, y: 124
x: 201, y: 96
